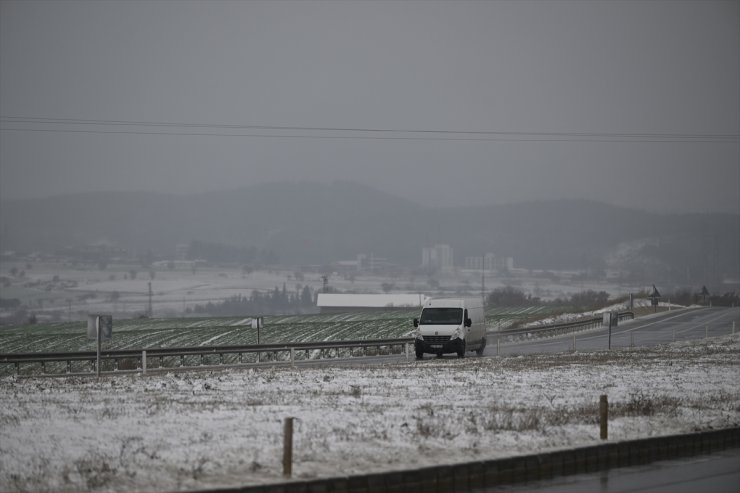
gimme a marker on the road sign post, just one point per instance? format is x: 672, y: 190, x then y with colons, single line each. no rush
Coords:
x: 654, y: 297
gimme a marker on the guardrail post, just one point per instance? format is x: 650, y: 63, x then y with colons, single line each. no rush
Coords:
x: 604, y: 417
x: 288, y: 447
x: 706, y: 331
x: 498, y: 346
x: 292, y: 357
x: 632, y: 340
x: 574, y: 343
x: 733, y: 327
x: 143, y: 362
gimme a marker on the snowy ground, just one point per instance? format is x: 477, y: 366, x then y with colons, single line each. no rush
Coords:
x: 184, y: 431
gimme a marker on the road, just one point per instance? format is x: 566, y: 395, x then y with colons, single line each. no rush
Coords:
x: 689, y: 323
x: 716, y: 473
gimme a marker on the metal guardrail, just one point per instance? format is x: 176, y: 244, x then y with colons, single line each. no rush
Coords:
x: 142, y: 360
x: 566, y: 327
x: 157, y: 359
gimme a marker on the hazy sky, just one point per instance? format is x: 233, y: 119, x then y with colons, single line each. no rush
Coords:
x: 632, y: 103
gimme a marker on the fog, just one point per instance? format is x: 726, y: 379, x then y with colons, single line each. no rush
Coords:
x: 445, y: 103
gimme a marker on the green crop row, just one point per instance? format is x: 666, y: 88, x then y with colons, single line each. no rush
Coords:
x: 187, y: 332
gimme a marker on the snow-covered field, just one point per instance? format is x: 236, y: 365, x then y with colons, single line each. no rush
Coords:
x: 184, y: 431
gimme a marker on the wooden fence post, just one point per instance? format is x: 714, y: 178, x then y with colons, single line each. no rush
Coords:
x: 288, y: 447
x: 604, y: 417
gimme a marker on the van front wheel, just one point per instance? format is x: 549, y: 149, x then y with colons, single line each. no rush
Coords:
x: 461, y: 350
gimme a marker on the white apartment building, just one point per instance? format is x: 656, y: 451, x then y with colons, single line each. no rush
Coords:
x: 438, y: 258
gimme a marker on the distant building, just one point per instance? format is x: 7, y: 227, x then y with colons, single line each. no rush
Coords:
x: 437, y: 258
x: 342, y: 303
x: 181, y: 251
x: 489, y: 262
x: 503, y: 263
x: 485, y: 262
x: 365, y: 263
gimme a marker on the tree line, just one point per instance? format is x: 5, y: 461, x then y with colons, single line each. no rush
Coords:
x: 275, y: 302
x: 593, y: 300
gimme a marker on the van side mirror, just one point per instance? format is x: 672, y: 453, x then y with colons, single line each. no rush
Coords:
x: 416, y: 322
x: 468, y: 322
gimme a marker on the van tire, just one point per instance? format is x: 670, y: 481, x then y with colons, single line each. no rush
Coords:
x: 419, y: 355
x: 461, y: 351
x: 482, y: 347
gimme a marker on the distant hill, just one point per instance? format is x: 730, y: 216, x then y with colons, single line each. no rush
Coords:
x: 310, y: 223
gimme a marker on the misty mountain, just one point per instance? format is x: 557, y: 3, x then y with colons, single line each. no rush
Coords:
x: 313, y: 223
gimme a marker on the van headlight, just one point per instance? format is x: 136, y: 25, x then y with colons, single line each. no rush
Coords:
x: 457, y: 334
x: 417, y: 334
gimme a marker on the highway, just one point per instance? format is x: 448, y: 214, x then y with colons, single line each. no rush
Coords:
x: 716, y: 473
x: 660, y: 328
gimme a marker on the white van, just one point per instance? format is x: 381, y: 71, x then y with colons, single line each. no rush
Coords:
x: 450, y: 326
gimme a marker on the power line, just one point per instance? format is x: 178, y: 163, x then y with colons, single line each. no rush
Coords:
x: 361, y: 137
x: 176, y: 128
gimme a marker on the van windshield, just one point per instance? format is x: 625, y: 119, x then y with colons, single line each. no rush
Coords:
x: 441, y: 316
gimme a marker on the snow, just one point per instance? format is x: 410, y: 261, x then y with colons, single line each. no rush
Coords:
x: 184, y: 431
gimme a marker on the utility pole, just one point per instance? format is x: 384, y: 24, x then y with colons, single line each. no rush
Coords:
x: 149, y: 311
x: 483, y: 279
